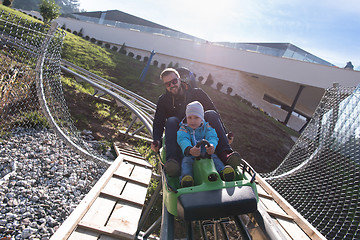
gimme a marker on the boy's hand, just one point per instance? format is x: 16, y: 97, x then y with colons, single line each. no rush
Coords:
x: 194, y: 151
x: 210, y: 150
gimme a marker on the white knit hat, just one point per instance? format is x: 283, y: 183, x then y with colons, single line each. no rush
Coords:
x: 195, y: 108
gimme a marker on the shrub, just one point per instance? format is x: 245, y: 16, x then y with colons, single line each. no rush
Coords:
x: 93, y: 40
x: 114, y: 48
x: 107, y: 45
x: 63, y: 26
x: 170, y: 65
x: 163, y: 66
x: 131, y: 54
x: 229, y: 90
x: 99, y: 42
x: 219, y: 85
x: 146, y: 59
x: 69, y: 30
x: 138, y: 57
x: 75, y: 32
x: 122, y: 49
x: 155, y: 63
x: 201, y: 78
x: 87, y: 38
x: 209, y: 80
x: 7, y: 3
x: 176, y: 65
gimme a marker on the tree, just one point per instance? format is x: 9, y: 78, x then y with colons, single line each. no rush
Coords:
x: 122, y: 49
x: 49, y: 10
x: 67, y: 6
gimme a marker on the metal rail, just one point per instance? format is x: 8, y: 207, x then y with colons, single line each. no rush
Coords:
x: 141, y: 101
x: 108, y: 89
x: 265, y: 222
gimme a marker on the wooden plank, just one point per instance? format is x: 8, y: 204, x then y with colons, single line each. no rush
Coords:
x: 100, y: 211
x: 135, y: 192
x: 149, y: 140
x: 267, y: 196
x: 260, y: 190
x: 293, y: 230
x: 279, y: 215
x: 271, y: 205
x: 143, y: 182
x: 129, y: 200
x: 81, y: 234
x: 130, y: 152
x: 137, y: 161
x: 311, y: 231
x: 115, y: 186
x: 109, y: 231
x: 116, y: 204
x: 141, y: 174
x: 125, y: 218
x: 105, y: 237
x: 69, y: 224
x: 125, y: 169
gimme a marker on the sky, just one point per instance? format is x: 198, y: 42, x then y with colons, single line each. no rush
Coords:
x: 329, y: 29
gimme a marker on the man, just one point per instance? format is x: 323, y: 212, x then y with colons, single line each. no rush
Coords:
x: 170, y: 111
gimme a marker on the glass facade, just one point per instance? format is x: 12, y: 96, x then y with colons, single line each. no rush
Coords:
x: 285, y: 50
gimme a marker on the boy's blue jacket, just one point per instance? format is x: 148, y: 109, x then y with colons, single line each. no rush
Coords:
x: 188, y: 137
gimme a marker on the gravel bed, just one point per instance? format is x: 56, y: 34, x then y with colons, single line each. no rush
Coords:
x: 49, y: 181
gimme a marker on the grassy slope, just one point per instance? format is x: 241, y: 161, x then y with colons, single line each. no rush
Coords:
x: 261, y: 140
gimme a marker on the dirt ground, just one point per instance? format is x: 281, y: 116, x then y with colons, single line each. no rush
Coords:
x: 259, y: 141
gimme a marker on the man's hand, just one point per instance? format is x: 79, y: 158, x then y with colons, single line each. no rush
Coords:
x: 155, y: 146
x: 230, y: 137
x: 195, y: 151
x: 210, y: 150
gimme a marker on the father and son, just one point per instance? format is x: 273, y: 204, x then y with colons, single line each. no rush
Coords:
x: 188, y: 116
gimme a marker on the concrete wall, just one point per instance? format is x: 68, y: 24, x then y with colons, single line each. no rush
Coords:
x: 234, y: 68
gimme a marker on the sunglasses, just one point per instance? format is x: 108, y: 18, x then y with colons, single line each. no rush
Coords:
x: 174, y: 81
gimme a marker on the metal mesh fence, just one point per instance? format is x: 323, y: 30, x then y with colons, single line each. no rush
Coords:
x: 31, y: 93
x: 320, y: 177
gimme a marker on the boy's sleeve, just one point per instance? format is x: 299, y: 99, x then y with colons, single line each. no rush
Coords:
x: 183, y: 138
x: 211, y: 136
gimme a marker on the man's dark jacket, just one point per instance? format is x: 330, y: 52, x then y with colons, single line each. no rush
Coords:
x: 175, y: 106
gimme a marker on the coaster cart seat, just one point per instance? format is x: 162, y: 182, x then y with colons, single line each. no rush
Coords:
x: 210, y: 197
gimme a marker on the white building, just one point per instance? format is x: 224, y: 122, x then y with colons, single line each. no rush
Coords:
x: 283, y: 80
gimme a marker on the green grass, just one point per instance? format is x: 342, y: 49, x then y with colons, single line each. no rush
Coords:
x: 261, y: 140
x: 18, y: 15
x: 258, y: 137
x: 31, y: 119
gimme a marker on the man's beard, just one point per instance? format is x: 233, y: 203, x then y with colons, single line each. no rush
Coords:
x: 178, y: 91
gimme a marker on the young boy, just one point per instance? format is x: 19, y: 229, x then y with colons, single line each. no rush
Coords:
x: 192, y: 130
